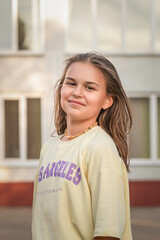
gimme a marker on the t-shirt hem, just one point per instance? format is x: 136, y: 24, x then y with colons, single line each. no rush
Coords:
x: 106, y: 234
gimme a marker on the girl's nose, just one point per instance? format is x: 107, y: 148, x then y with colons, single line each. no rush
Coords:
x: 78, y: 91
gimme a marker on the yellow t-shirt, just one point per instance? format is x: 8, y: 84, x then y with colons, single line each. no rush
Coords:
x: 81, y: 190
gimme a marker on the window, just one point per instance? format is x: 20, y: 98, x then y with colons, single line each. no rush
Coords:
x: 6, y: 24
x: 22, y: 128
x: 109, y: 25
x: 138, y: 24
x: 159, y: 127
x: 79, y: 32
x: 28, y: 25
x: 33, y: 128
x: 140, y: 134
x: 157, y: 25
x: 11, y: 129
x: 21, y: 26
x: 117, y: 26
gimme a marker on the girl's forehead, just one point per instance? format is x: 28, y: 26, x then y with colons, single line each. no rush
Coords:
x: 84, y: 68
x: 79, y: 65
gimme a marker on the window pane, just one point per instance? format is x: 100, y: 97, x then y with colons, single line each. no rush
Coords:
x: 11, y: 129
x: 28, y: 25
x: 157, y: 18
x: 79, y: 26
x: 5, y: 25
x: 138, y: 25
x: 33, y: 128
x: 139, y: 136
x: 109, y: 25
x: 158, y: 127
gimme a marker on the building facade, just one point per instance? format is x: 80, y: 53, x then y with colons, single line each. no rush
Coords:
x: 36, y: 36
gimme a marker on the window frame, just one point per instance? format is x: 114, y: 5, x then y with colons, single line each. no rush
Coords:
x: 123, y: 50
x: 153, y: 127
x: 14, y: 50
x: 22, y: 160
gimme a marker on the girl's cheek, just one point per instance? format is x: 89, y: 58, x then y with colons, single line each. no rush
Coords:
x: 62, y: 104
x: 63, y: 94
x: 64, y: 91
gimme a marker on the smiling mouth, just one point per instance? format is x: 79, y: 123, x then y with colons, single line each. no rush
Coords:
x: 75, y: 102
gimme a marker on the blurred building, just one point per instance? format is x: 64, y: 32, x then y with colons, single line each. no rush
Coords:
x: 35, y: 37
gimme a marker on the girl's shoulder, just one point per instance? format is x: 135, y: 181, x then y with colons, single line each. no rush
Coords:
x: 102, y: 151
x: 102, y: 140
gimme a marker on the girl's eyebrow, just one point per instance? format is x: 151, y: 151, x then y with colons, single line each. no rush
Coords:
x: 70, y: 78
x: 88, y: 82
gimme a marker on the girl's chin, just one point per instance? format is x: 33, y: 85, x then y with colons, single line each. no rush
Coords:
x: 75, y: 117
x: 80, y: 118
x: 75, y: 114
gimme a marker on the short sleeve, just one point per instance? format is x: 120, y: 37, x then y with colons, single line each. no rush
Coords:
x: 107, y: 184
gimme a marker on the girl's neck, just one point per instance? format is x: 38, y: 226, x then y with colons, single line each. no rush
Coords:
x: 76, y: 127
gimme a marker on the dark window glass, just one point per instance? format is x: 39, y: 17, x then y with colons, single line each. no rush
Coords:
x: 158, y: 127
x: 140, y: 136
x: 11, y: 129
x: 33, y: 128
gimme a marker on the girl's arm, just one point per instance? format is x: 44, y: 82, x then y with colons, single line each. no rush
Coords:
x: 106, y: 238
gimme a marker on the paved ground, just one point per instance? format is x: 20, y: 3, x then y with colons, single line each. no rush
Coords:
x: 145, y: 223
x: 15, y: 223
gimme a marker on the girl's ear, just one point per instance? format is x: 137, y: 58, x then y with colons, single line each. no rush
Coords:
x: 108, y: 102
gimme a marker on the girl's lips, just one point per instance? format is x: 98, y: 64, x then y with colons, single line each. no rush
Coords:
x: 75, y: 102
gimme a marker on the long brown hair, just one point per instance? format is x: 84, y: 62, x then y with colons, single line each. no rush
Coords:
x: 116, y: 120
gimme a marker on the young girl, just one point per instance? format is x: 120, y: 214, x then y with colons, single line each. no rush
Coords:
x: 81, y: 187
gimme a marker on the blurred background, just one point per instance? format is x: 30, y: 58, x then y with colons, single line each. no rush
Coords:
x: 35, y: 38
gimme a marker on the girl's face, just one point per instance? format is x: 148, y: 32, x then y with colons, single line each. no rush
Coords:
x: 83, y: 93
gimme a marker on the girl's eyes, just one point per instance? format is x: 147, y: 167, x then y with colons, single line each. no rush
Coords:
x: 86, y: 87
x: 71, y: 83
x: 90, y: 88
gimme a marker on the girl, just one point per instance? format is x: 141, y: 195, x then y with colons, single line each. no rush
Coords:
x: 81, y: 187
